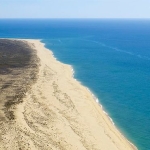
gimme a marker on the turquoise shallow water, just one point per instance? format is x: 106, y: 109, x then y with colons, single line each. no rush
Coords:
x: 110, y: 57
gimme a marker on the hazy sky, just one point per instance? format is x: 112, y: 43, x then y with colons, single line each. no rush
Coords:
x: 74, y: 8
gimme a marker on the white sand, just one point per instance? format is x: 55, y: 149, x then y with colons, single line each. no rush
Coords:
x: 59, y: 113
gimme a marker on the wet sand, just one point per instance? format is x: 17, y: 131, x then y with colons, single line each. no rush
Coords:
x: 53, y: 111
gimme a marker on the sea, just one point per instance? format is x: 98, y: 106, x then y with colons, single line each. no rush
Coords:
x: 111, y: 57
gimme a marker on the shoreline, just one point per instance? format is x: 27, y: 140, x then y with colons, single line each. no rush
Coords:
x: 94, y: 97
x: 101, y: 106
x: 60, y: 111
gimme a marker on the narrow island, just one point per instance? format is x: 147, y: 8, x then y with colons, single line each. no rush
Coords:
x: 42, y: 107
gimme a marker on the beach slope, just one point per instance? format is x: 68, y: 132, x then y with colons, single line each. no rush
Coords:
x: 58, y: 113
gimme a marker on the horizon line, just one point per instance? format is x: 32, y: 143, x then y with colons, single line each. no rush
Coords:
x: 74, y: 18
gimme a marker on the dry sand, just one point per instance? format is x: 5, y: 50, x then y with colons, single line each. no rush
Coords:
x: 58, y: 113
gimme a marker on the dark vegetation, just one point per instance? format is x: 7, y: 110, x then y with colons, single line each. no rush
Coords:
x: 19, y: 67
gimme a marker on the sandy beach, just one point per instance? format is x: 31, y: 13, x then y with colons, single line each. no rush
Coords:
x: 58, y: 113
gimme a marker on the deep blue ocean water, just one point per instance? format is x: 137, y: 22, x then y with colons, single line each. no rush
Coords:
x: 110, y: 57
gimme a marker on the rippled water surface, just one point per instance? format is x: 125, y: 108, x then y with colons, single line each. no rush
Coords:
x: 110, y: 57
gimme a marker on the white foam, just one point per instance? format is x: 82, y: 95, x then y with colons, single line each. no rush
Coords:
x: 72, y: 70
x: 111, y: 120
x: 94, y: 97
x: 97, y: 100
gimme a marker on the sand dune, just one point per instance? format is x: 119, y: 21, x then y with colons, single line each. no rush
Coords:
x: 58, y: 113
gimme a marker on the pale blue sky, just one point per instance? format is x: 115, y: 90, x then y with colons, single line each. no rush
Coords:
x: 74, y: 8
